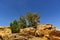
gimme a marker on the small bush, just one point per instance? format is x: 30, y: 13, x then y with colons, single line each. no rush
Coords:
x: 14, y: 27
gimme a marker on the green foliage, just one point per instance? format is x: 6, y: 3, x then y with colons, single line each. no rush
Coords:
x: 22, y: 22
x: 14, y: 27
x: 33, y: 18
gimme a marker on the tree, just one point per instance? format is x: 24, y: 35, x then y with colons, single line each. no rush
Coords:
x: 29, y: 18
x: 33, y: 19
x: 22, y: 22
x: 14, y: 27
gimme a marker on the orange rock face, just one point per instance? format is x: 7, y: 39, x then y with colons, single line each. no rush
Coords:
x: 41, y: 32
x: 55, y: 35
x: 45, y: 29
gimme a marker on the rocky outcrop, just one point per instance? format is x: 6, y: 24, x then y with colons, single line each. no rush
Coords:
x: 44, y: 29
x: 55, y: 35
x: 18, y: 36
x: 29, y: 30
x: 5, y: 31
x: 41, y: 32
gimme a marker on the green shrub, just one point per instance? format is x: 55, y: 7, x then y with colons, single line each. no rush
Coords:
x: 33, y: 19
x: 14, y: 27
x: 22, y: 22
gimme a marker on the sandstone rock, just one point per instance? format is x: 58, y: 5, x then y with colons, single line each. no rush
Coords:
x: 39, y: 33
x: 18, y: 36
x: 29, y: 30
x: 44, y: 29
x: 5, y: 31
x: 45, y: 26
x: 38, y: 38
x: 55, y: 35
x: 42, y: 32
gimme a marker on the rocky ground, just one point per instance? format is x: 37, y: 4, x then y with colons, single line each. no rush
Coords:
x: 42, y: 32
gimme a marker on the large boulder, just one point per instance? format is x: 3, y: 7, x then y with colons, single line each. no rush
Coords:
x: 5, y: 32
x: 45, y: 26
x: 44, y: 29
x: 55, y: 35
x: 39, y: 33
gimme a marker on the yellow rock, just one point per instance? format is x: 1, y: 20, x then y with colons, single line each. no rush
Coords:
x: 4, y: 31
x: 44, y: 29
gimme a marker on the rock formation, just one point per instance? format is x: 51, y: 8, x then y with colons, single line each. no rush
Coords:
x: 42, y: 32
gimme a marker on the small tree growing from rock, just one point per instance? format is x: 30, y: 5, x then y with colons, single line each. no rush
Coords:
x: 14, y: 27
x: 22, y: 22
x: 33, y: 19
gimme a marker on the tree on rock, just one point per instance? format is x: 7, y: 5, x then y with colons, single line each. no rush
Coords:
x: 33, y: 19
x: 14, y: 27
x: 22, y: 22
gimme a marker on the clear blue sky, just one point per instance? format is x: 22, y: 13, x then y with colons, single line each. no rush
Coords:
x: 49, y: 10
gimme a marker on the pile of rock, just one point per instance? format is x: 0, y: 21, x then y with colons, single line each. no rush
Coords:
x: 42, y: 32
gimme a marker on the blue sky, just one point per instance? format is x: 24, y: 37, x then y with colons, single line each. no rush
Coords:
x: 49, y: 10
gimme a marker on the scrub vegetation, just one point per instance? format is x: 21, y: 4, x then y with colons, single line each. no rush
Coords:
x: 32, y: 18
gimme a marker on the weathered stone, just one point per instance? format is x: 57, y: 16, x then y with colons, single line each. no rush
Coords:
x: 44, y: 29
x: 42, y: 32
x: 29, y: 30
